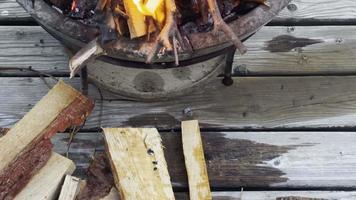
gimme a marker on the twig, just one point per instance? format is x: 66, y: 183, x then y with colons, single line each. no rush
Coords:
x: 220, y: 25
x: 175, y: 49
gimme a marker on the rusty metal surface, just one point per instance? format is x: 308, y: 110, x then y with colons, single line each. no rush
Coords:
x: 74, y: 35
x: 154, y: 84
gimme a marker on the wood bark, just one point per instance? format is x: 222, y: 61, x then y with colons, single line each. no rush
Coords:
x: 99, y: 179
x: 26, y: 147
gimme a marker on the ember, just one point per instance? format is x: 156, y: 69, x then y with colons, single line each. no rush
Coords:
x: 165, y: 23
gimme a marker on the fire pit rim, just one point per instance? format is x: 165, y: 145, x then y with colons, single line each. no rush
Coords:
x: 75, y: 35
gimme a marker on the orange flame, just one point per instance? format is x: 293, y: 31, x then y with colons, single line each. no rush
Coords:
x: 74, y: 5
x: 152, y: 8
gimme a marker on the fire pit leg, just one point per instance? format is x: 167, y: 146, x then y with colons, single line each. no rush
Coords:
x: 227, y: 81
x: 84, y: 80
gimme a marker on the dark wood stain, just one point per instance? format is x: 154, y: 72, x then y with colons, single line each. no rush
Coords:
x: 3, y: 131
x: 152, y: 119
x: 231, y: 162
x: 297, y: 198
x: 286, y: 43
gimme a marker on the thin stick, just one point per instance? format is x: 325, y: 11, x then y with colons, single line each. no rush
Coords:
x: 175, y: 49
x: 220, y: 25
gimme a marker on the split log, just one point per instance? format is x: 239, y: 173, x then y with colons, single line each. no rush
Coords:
x: 46, y: 184
x: 26, y: 147
x: 136, y: 21
x: 198, y: 180
x: 90, y: 51
x: 138, y: 164
x: 70, y: 188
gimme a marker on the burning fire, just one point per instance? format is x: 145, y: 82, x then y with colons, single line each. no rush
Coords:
x: 152, y: 8
x: 74, y: 5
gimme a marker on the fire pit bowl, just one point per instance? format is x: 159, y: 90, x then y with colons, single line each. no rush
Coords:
x: 124, y: 71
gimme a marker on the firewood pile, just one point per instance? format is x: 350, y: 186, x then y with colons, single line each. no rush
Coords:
x: 164, y: 23
x: 133, y: 167
x: 28, y: 167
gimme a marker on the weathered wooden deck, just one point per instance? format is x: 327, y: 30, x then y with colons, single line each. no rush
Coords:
x: 288, y: 122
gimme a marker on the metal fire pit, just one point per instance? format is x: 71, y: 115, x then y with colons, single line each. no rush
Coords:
x: 123, y: 70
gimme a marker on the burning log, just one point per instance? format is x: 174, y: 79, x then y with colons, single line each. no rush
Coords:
x: 169, y: 32
x: 26, y: 147
x: 81, y: 8
x: 136, y: 20
x: 220, y: 25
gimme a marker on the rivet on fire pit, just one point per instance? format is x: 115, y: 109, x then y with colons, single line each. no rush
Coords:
x: 292, y: 7
x: 188, y: 112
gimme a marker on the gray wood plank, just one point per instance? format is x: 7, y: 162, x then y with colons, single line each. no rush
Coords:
x: 251, y: 103
x: 11, y: 11
x: 24, y: 46
x: 272, y: 195
x: 302, y: 50
x: 311, y: 10
x: 296, y: 160
x: 314, y: 11
x: 272, y: 51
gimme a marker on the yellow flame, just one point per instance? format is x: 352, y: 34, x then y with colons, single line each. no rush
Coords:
x: 150, y: 8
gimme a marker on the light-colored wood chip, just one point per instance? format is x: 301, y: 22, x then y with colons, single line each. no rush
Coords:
x: 70, y: 188
x: 92, y: 50
x: 46, y: 184
x: 199, y: 188
x: 137, y: 161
